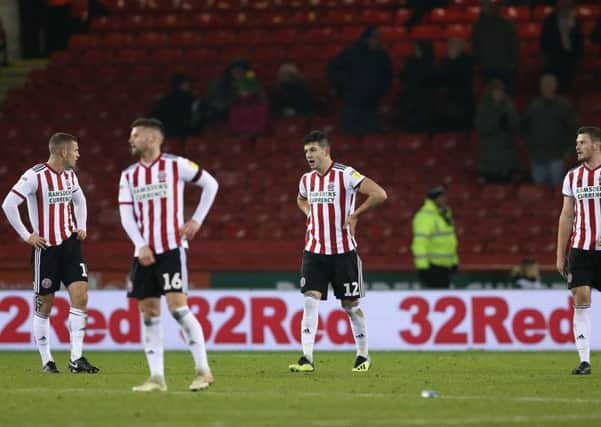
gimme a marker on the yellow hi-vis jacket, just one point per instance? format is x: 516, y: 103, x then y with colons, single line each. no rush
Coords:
x: 434, y: 240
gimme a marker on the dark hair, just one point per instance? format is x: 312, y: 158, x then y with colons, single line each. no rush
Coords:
x: 149, y: 122
x: 592, y: 131
x: 58, y: 139
x: 318, y: 137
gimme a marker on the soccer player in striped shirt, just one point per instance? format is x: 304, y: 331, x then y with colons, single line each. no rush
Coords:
x: 51, y: 191
x: 327, y: 197
x: 152, y: 211
x: 580, y: 229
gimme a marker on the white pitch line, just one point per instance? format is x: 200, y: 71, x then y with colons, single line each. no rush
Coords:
x: 516, y: 419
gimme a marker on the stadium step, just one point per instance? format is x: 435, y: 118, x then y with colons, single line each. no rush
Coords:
x: 15, y: 75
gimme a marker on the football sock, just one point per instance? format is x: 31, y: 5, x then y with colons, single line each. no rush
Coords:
x: 77, y: 330
x: 41, y: 335
x: 194, y: 337
x: 153, y: 346
x: 309, y: 325
x: 359, y: 326
x: 582, y: 331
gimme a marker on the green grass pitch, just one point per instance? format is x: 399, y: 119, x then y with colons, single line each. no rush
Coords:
x: 255, y: 389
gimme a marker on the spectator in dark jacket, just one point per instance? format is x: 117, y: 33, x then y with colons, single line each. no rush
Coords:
x: 549, y: 126
x: 293, y: 95
x: 361, y: 74
x: 223, y: 90
x: 457, y: 89
x: 562, y: 42
x: 497, y: 124
x: 180, y: 112
x: 419, y: 79
x: 596, y: 34
x: 496, y: 45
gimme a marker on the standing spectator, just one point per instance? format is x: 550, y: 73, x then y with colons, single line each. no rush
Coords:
x: 496, y: 45
x: 361, y: 74
x: 179, y: 110
x: 548, y: 127
x: 293, y: 96
x: 596, y: 34
x: 419, y: 81
x: 249, y: 113
x: 3, y: 50
x: 434, y: 245
x: 457, y: 91
x: 58, y: 24
x: 562, y: 42
x: 223, y: 90
x: 496, y: 125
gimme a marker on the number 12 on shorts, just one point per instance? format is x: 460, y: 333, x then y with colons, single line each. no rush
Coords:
x: 174, y: 283
x: 351, y: 289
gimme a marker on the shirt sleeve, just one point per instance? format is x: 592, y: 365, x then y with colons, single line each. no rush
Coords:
x: 188, y: 170
x: 352, y: 178
x: 125, y: 196
x: 567, y: 188
x: 26, y: 185
x: 302, y: 186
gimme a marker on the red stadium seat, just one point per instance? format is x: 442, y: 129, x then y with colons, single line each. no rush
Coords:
x: 516, y: 13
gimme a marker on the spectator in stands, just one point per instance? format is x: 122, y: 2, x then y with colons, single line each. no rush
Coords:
x: 249, y: 113
x: 548, y: 127
x: 58, y: 24
x: 434, y: 244
x: 293, y: 96
x: 421, y: 8
x: 562, y: 42
x: 3, y: 50
x: 361, y: 74
x: 457, y: 89
x: 596, y: 34
x: 496, y: 45
x: 223, y: 90
x: 496, y: 125
x: 419, y: 79
x: 526, y: 275
x: 180, y: 111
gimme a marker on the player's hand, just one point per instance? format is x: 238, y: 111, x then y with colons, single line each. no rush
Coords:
x: 190, y: 229
x: 351, y: 221
x: 146, y: 256
x: 81, y: 234
x: 37, y: 241
x: 561, y: 266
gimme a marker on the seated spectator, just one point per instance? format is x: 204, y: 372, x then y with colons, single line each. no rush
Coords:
x: 562, y: 42
x: 180, y: 112
x: 361, y: 74
x: 293, y: 97
x: 526, y: 275
x: 249, y: 113
x: 549, y: 126
x: 496, y: 126
x: 418, y: 81
x: 496, y: 45
x: 457, y: 89
x: 223, y: 90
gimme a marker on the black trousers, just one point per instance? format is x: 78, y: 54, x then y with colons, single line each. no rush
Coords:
x: 435, y: 277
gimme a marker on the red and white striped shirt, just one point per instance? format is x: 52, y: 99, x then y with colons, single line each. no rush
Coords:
x: 584, y: 185
x: 49, y: 195
x: 156, y: 192
x: 331, y: 200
